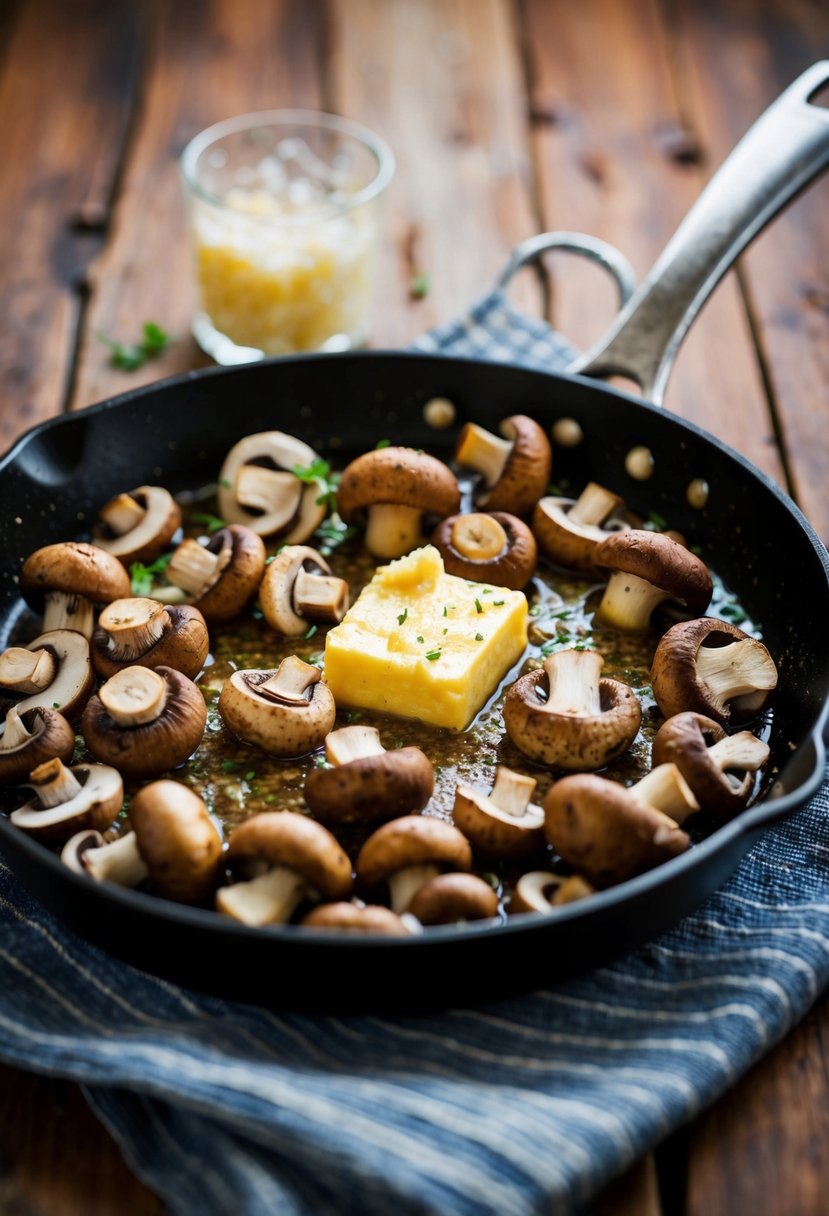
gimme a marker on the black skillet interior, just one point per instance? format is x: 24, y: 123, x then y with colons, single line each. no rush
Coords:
x: 176, y: 433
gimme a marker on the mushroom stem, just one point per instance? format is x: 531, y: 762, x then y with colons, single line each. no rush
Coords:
x: 484, y: 452
x: 512, y: 792
x: 405, y: 884
x: 743, y: 751
x: 268, y: 899
x: 319, y: 597
x: 291, y: 681
x: 665, y: 789
x: 735, y: 670
x: 629, y: 601
x: 391, y: 530
x: 23, y: 670
x: 478, y: 537
x: 594, y: 505
x: 194, y: 568
x: 353, y: 743
x: 573, y: 680
x: 133, y: 626
x: 121, y: 514
x: 119, y: 862
x: 269, y: 491
x: 134, y: 696
x: 65, y: 611
x: 54, y: 783
x: 15, y: 734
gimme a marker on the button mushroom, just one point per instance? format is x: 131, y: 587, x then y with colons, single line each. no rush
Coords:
x: 68, y: 580
x: 584, y: 722
x: 138, y: 526
x: 298, y: 588
x: 280, y: 860
x: 713, y: 668
x: 647, y: 568
x: 502, y: 823
x: 69, y: 800
x: 451, y: 899
x: 515, y: 470
x: 356, y: 918
x: 286, y: 712
x: 144, y: 721
x: 609, y: 833
x: 397, y: 486
x: 569, y: 530
x: 63, y: 654
x: 117, y: 861
x: 710, y: 760
x: 409, y: 852
x: 141, y: 632
x: 258, y: 487
x: 32, y: 738
x: 366, y: 782
x: 221, y: 576
x: 541, y: 891
x: 493, y: 548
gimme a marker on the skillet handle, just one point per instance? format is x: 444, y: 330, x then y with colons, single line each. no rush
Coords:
x: 778, y: 157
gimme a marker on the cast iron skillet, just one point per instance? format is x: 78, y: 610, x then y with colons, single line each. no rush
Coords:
x: 177, y: 432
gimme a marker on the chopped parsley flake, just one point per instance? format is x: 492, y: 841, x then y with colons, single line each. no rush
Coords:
x: 479, y: 637
x: 402, y: 617
x: 311, y: 631
x: 129, y: 356
x: 420, y: 639
x: 142, y: 577
x: 432, y: 655
x: 382, y: 443
x: 211, y: 522
x: 478, y: 607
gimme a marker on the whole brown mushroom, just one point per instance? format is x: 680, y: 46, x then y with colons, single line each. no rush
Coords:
x: 356, y: 918
x: 138, y: 526
x: 67, y: 581
x: 221, y: 576
x: 515, y: 469
x: 451, y: 899
x: 366, y: 783
x: 287, y: 712
x: 647, y: 568
x: 719, y: 768
x: 495, y: 548
x: 32, y: 738
x: 141, y: 632
x: 408, y: 852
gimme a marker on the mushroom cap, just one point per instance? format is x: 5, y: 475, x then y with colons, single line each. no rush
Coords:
x: 277, y: 589
x: 240, y: 577
x: 450, y: 898
x: 526, y: 473
x: 74, y: 568
x: 155, y: 746
x: 605, y: 833
x: 281, y: 728
x: 513, y: 567
x: 184, y: 645
x: 95, y: 806
x: 685, y: 740
x: 402, y: 477
x: 372, y: 787
x: 74, y: 678
x: 676, y: 683
x: 283, y: 452
x: 660, y: 561
x: 293, y: 842
x: 413, y: 840
x: 356, y: 918
x: 543, y: 891
x: 50, y: 736
x: 178, y: 841
x: 566, y: 541
x: 152, y: 533
x: 494, y: 831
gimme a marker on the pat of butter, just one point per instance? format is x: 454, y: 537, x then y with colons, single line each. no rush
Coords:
x: 421, y: 643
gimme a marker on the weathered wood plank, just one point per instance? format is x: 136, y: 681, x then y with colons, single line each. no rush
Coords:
x: 613, y: 159
x: 66, y: 88
x: 636, y: 1193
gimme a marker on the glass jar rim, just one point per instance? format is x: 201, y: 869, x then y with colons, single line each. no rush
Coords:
x: 376, y: 145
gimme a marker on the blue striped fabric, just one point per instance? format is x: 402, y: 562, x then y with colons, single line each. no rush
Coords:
x: 523, y: 1106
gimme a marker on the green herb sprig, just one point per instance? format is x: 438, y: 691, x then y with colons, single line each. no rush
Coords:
x: 129, y: 356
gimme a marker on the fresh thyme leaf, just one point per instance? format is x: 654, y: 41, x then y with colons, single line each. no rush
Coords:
x: 382, y: 443
x: 129, y: 356
x: 142, y: 577
x: 311, y: 631
x: 420, y: 639
x: 211, y: 522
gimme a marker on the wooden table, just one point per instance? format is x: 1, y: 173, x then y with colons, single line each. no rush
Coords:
x: 507, y: 118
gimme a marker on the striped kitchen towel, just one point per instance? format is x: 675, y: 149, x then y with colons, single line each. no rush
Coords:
x: 521, y: 1106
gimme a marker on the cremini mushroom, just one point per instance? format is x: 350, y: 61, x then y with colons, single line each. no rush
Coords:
x: 367, y: 783
x: 356, y: 918
x: 584, y: 721
x: 713, y: 668
x: 281, y: 859
x: 451, y: 899
x: 493, y: 548
x: 568, y: 530
x: 259, y: 486
x: 298, y: 589
x: 221, y: 576
x: 32, y: 738
x: 408, y: 852
x: 67, y: 581
x: 117, y: 861
x: 144, y: 721
x: 69, y: 800
x: 286, y: 712
x: 515, y: 469
x: 397, y: 486
x: 609, y: 833
x: 504, y: 822
x: 138, y: 526
x: 141, y: 632
x: 647, y: 568
x: 543, y: 891
x: 719, y: 768
x: 63, y: 655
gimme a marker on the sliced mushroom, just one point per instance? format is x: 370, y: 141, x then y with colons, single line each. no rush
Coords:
x: 138, y: 526
x: 67, y: 580
x: 502, y: 823
x: 281, y: 859
x: 710, y: 760
x: 608, y: 833
x: 542, y: 891
x: 69, y: 800
x: 397, y: 486
x: 258, y: 487
x: 73, y: 678
x: 368, y: 783
x: 31, y: 739
x: 221, y: 576
x: 408, y: 852
x: 298, y: 588
x: 26, y: 671
x: 493, y: 548
x: 286, y: 712
x: 145, y: 721
x: 647, y: 568
x: 569, y: 530
x: 713, y: 668
x: 515, y: 470
x: 141, y: 632
x: 451, y: 899
x: 584, y: 723
x: 356, y: 918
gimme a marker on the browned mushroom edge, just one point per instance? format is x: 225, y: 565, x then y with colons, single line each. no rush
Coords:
x: 514, y: 469
x: 493, y: 547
